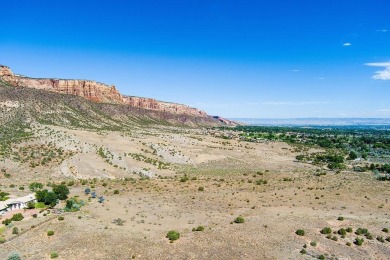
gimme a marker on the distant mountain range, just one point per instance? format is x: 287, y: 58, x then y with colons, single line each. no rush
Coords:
x: 315, y: 121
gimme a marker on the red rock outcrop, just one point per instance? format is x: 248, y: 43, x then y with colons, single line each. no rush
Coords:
x: 151, y: 103
x: 95, y: 91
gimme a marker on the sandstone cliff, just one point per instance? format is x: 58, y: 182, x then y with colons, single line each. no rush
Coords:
x: 95, y: 91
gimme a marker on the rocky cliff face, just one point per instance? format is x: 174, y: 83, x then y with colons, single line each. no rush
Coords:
x: 150, y: 103
x: 88, y: 89
x: 95, y: 91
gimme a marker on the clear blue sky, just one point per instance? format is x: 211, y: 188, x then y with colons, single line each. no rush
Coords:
x: 266, y: 59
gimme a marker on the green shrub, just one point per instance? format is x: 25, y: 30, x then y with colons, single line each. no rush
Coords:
x: 348, y: 243
x: 380, y: 239
x: 201, y: 188
x: 184, y: 178
x: 239, y: 220
x: 2, y: 240
x: 322, y: 257
x: 199, y: 228
x: 15, y: 231
x: 313, y: 243
x: 300, y: 232
x: 6, y: 221
x: 326, y: 230
x: 342, y: 232
x: 261, y: 181
x: 60, y: 218
x: 361, y: 231
x: 386, y: 230
x: 30, y: 205
x: 14, y: 256
x: 349, y: 230
x: 340, y: 218
x: 173, y: 235
x: 50, y: 233
x: 369, y: 236
x: 303, y: 252
x: 54, y: 254
x: 116, y: 191
x: 17, y: 217
x: 358, y: 241
x: 40, y: 205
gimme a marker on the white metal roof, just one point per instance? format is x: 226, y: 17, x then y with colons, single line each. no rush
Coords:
x: 24, y: 199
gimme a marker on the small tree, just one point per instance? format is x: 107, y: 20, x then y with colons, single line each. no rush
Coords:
x: 51, y: 199
x: 62, y: 191
x: 17, y: 217
x: 40, y: 195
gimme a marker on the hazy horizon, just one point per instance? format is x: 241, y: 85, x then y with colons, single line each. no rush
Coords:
x: 353, y: 122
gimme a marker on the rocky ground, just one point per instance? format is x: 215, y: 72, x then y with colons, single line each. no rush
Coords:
x: 178, y: 179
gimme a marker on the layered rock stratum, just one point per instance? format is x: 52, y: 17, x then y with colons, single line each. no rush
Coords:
x: 98, y: 92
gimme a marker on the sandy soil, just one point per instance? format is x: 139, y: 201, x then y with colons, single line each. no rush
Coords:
x: 293, y: 198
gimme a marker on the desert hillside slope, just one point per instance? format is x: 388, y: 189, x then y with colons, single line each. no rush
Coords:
x: 106, y: 99
x: 33, y: 105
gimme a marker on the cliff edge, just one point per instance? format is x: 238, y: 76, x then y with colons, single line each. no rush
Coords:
x: 95, y: 91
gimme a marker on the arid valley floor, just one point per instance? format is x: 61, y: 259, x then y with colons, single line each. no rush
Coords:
x: 195, y: 179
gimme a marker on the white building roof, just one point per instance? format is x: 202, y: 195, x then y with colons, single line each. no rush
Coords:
x: 3, y: 205
x: 25, y: 199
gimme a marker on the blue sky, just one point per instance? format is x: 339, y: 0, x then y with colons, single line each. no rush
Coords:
x: 265, y: 59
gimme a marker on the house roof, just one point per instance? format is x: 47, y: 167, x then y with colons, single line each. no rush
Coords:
x: 24, y: 199
x: 3, y: 205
